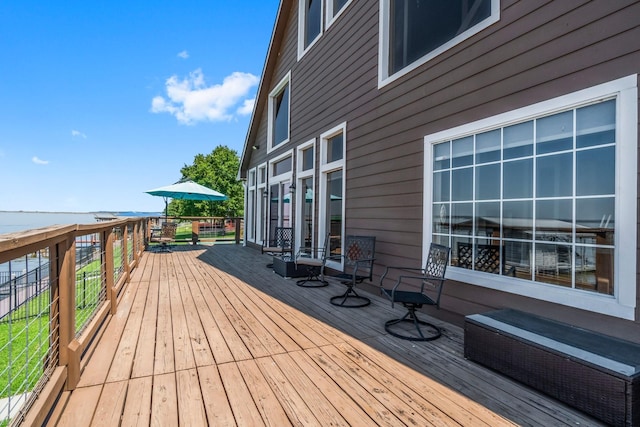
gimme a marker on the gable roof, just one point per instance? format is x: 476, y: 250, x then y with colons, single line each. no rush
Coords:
x: 265, y: 79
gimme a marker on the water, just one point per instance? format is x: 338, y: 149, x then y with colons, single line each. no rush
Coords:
x: 12, y: 221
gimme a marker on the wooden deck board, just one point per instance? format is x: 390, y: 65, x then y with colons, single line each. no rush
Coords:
x: 209, y: 336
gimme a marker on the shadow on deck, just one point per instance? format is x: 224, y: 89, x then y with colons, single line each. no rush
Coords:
x: 209, y: 336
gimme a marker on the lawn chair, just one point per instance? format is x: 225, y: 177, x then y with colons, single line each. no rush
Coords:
x: 486, y: 258
x: 358, y: 261
x: 405, y: 292
x: 314, y: 259
x: 167, y: 236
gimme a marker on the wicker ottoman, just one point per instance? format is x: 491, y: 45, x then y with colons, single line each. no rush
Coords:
x: 595, y: 373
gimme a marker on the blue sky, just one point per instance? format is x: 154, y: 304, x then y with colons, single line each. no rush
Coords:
x: 102, y: 100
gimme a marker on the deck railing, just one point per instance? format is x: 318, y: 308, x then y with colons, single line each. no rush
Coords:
x: 61, y: 285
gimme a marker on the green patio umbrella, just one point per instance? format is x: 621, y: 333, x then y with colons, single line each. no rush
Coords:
x: 186, y: 189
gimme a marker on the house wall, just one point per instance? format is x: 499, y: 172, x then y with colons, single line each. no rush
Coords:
x: 538, y: 50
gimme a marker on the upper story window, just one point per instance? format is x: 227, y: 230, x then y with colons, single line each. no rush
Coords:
x: 309, y: 23
x: 415, y: 31
x: 279, y: 113
x: 543, y: 198
x: 314, y: 17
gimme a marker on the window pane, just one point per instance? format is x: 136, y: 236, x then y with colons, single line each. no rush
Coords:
x: 518, y: 179
x: 594, y: 269
x: 595, y: 221
x: 441, y: 156
x: 595, y: 124
x: 488, y: 146
x: 488, y: 182
x: 553, y: 264
x: 307, y: 213
x: 282, y: 166
x: 334, y: 148
x: 418, y: 27
x: 462, y: 152
x: 595, y: 171
x: 440, y: 216
x: 441, y: 186
x: 554, y: 176
x: 462, y: 218
x: 554, y: 220
x: 334, y: 209
x: 337, y: 5
x: 462, y: 184
x: 518, y: 257
x: 487, y: 220
x: 517, y: 219
x: 312, y: 22
x: 281, y: 117
x: 307, y: 159
x: 554, y: 133
x: 518, y: 140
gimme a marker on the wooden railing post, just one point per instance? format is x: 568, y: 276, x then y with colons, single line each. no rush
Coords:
x: 238, y: 225
x: 125, y: 253
x: 195, y: 231
x: 112, y: 296
x: 69, y: 348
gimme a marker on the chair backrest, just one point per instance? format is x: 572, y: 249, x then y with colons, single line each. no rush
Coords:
x: 437, y: 261
x: 487, y: 257
x: 169, y: 230
x: 283, y: 237
x: 436, y: 267
x: 360, y: 251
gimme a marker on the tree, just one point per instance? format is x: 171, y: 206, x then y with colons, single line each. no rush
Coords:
x: 218, y: 171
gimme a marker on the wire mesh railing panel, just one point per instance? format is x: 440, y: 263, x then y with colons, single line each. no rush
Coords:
x: 28, y: 332
x: 130, y: 248
x: 89, y: 280
x: 118, y: 254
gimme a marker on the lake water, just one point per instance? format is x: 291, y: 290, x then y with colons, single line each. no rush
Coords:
x: 12, y: 221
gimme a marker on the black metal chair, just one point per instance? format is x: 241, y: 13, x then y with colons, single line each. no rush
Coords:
x: 358, y: 261
x: 314, y: 259
x: 412, y: 298
x: 281, y: 243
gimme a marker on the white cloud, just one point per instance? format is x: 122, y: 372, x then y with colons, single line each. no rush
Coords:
x: 78, y: 134
x: 184, y: 54
x: 190, y: 100
x: 38, y: 161
x: 246, y: 108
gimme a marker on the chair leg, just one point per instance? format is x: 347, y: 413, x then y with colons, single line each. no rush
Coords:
x: 350, y: 299
x: 420, y: 325
x: 313, y: 275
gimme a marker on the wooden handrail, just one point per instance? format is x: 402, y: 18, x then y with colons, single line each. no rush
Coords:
x: 60, y: 241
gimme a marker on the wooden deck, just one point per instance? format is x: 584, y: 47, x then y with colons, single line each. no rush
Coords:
x: 209, y: 336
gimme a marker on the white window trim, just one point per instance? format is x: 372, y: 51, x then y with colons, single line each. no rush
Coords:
x: 286, y: 80
x: 300, y: 195
x: 383, y: 43
x: 251, y: 220
x: 261, y: 222
x: 301, y: 27
x: 623, y: 303
x: 326, y: 168
x: 330, y: 19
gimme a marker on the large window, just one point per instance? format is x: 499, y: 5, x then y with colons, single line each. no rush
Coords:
x: 279, y: 192
x: 539, y: 202
x: 332, y: 185
x: 414, y: 31
x: 279, y: 113
x: 305, y: 196
x: 314, y: 17
x: 250, y: 207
